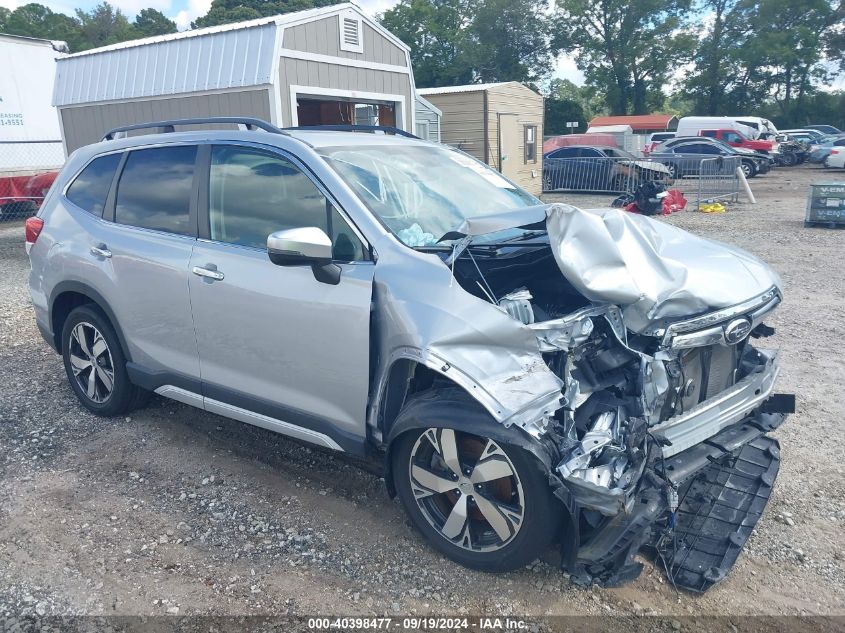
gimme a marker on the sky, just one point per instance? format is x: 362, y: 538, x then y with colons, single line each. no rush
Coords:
x: 183, y: 12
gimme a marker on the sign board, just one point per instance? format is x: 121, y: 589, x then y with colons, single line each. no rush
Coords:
x: 826, y: 205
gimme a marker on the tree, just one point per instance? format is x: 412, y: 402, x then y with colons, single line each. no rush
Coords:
x: 629, y: 50
x: 36, y: 20
x: 511, y: 40
x: 466, y: 41
x: 565, y: 102
x: 104, y: 25
x: 437, y: 34
x: 228, y: 11
x: 4, y: 17
x: 150, y: 22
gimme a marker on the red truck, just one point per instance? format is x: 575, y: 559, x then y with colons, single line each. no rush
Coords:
x: 737, y: 139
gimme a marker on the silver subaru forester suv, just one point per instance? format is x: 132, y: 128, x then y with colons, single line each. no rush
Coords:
x: 527, y: 374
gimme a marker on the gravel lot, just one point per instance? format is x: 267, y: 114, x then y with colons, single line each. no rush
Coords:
x: 174, y: 510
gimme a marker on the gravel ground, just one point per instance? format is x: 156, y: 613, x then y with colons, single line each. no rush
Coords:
x: 174, y: 510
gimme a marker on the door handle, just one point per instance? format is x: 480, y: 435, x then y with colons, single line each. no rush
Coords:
x: 101, y: 250
x: 209, y: 271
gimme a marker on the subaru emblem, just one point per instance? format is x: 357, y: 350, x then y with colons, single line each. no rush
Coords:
x: 737, y: 330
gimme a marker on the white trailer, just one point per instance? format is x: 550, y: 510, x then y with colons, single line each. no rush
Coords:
x: 30, y: 138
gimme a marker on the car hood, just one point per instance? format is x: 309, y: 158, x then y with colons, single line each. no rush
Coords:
x: 657, y: 273
x: 652, y: 166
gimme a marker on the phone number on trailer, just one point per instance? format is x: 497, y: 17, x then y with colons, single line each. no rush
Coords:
x: 412, y: 624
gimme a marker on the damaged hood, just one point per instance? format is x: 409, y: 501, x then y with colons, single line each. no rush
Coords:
x: 655, y: 271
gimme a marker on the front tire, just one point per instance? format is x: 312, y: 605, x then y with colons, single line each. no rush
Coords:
x: 96, y: 365
x: 748, y: 169
x: 484, y: 503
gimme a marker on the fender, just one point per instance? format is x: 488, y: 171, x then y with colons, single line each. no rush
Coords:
x: 95, y: 297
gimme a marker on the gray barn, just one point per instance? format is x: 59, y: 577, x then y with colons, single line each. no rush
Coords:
x: 324, y: 66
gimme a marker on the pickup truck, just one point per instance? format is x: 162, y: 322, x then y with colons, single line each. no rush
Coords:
x: 737, y: 139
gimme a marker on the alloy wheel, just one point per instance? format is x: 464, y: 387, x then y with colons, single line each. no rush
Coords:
x: 91, y: 362
x: 467, y: 489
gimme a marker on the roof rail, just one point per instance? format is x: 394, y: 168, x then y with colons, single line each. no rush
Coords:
x: 169, y: 126
x: 386, y: 129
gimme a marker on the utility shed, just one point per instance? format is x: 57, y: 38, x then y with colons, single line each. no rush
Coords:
x: 325, y: 66
x: 428, y: 120
x: 498, y: 123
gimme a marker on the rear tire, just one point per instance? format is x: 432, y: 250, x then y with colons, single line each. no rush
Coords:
x: 748, y: 169
x: 96, y: 365
x: 497, y: 480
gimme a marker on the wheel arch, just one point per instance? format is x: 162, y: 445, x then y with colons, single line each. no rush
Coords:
x: 68, y: 295
x: 442, y: 397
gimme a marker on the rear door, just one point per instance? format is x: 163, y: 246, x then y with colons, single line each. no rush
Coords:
x: 277, y: 347
x: 147, y: 247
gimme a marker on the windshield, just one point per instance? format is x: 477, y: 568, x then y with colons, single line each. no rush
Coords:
x: 421, y: 192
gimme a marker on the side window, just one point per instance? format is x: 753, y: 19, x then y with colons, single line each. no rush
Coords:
x: 254, y: 193
x: 530, y: 133
x: 154, y: 190
x: 709, y: 133
x: 91, y: 187
x: 732, y: 137
x: 586, y: 152
x: 564, y: 152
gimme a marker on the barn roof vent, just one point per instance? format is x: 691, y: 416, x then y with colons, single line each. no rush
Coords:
x: 351, y: 38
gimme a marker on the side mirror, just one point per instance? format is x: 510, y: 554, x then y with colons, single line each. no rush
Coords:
x: 307, y: 245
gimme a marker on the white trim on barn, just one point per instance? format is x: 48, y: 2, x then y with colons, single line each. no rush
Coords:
x: 316, y: 91
x: 290, y: 53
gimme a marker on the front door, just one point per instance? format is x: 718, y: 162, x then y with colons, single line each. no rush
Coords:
x: 272, y: 339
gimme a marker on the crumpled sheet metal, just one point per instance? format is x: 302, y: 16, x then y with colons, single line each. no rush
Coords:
x: 423, y: 314
x: 655, y: 271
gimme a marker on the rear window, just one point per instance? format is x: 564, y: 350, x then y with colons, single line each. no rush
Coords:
x: 154, y: 191
x: 91, y: 187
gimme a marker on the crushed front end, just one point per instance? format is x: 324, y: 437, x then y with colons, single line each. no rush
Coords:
x: 663, y: 441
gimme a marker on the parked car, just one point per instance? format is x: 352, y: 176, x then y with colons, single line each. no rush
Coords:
x: 655, y: 139
x: 821, y: 150
x: 802, y: 135
x: 734, y: 138
x: 682, y: 156
x: 826, y: 129
x: 588, y: 168
x: 402, y: 302
x: 692, y: 125
x: 836, y: 158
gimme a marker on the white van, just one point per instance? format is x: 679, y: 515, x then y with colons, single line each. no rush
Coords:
x: 764, y: 127
x: 692, y: 125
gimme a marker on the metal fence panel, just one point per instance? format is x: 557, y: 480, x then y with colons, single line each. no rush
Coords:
x: 700, y: 179
x: 606, y: 174
x: 27, y: 171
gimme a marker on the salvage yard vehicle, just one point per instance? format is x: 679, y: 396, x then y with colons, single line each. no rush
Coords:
x: 836, y: 158
x: 736, y: 139
x: 821, y: 150
x: 596, y: 168
x: 525, y: 373
x: 682, y: 156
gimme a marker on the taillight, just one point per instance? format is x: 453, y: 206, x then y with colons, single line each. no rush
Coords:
x: 834, y: 151
x: 33, y: 229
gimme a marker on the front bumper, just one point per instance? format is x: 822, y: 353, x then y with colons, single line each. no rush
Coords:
x: 722, y: 486
x: 688, y: 429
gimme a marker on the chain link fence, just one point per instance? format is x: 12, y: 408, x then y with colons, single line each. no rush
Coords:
x: 27, y: 171
x: 700, y: 179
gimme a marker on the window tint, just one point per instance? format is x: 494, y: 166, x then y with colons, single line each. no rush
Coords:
x: 253, y: 194
x: 91, y: 187
x: 564, y: 152
x: 587, y: 152
x: 154, y: 190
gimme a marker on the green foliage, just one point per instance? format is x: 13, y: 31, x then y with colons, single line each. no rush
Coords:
x: 151, y: 22
x: 228, y: 11
x: 455, y: 42
x: 629, y: 50
x: 762, y: 53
